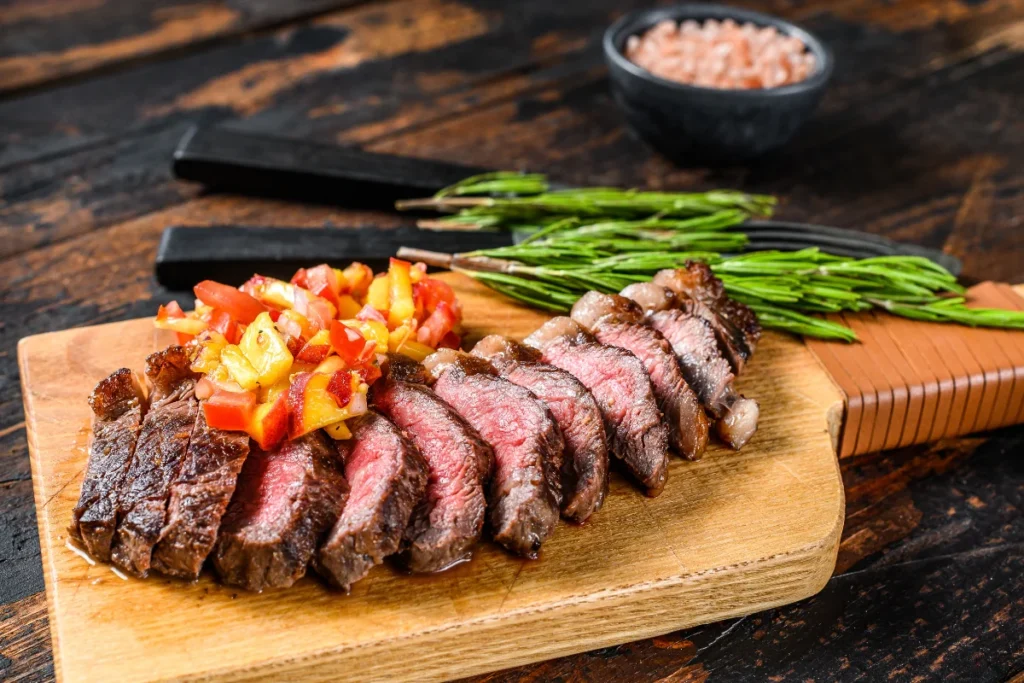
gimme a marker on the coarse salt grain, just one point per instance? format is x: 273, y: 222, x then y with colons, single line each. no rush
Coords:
x: 721, y: 54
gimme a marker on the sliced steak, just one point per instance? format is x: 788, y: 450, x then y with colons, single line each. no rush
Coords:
x: 525, y: 490
x: 448, y: 522
x: 159, y: 453
x: 199, y: 496
x: 617, y: 321
x: 403, y: 369
x: 620, y: 384
x: 585, y: 466
x: 387, y: 478
x: 285, y: 501
x: 693, y: 342
x: 736, y: 328
x: 118, y: 403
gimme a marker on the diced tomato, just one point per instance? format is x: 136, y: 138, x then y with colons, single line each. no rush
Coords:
x: 450, y: 341
x: 323, y: 281
x: 370, y: 373
x: 171, y: 311
x: 437, y: 325
x: 226, y: 325
x: 348, y: 343
x: 274, y: 315
x: 299, y: 278
x: 313, y: 353
x: 229, y: 410
x: 430, y: 291
x: 368, y: 313
x: 239, y: 305
x: 340, y: 387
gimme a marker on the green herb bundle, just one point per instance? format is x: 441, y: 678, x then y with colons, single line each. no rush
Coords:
x: 605, y: 239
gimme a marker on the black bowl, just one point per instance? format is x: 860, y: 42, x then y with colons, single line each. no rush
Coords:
x: 694, y: 125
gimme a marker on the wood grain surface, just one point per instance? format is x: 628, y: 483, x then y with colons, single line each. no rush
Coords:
x: 732, y: 534
x: 918, y: 138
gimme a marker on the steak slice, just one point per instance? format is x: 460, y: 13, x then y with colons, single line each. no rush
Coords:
x: 447, y: 523
x: 617, y: 321
x: 387, y: 478
x: 620, y: 384
x: 735, y: 325
x: 585, y: 466
x: 284, y: 502
x: 199, y: 496
x: 693, y: 342
x: 526, y: 488
x: 118, y: 403
x: 159, y: 453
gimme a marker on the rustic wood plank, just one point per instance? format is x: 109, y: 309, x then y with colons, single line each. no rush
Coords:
x: 45, y: 40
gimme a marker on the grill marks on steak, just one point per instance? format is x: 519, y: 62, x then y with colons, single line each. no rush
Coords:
x: 284, y: 502
x: 198, y: 498
x: 387, y: 478
x: 585, y: 465
x: 449, y: 519
x: 736, y: 328
x: 118, y: 403
x: 693, y: 342
x: 622, y: 388
x: 159, y: 453
x: 616, y: 321
x: 525, y: 489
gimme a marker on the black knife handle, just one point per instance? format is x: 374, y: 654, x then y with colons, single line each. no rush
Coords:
x: 233, y: 254
x: 264, y: 165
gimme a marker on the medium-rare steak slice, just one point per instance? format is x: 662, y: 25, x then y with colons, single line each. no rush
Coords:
x: 526, y: 488
x: 617, y: 321
x: 387, y: 478
x: 585, y: 465
x: 199, y: 496
x: 159, y: 453
x: 448, y: 522
x: 118, y: 403
x: 284, y: 502
x: 620, y: 384
x: 693, y: 342
x: 736, y: 328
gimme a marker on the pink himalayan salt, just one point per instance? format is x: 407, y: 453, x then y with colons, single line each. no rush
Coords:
x: 721, y: 54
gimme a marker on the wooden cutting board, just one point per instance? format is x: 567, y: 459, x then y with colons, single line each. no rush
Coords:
x: 737, y: 532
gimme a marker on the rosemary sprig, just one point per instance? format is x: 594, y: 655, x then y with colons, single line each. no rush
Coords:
x: 606, y: 239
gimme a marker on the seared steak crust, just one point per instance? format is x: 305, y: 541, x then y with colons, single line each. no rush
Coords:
x: 284, y: 502
x: 118, y: 403
x: 622, y: 388
x: 387, y: 478
x: 199, y: 496
x: 525, y: 490
x: 448, y: 522
x: 159, y: 453
x: 585, y: 466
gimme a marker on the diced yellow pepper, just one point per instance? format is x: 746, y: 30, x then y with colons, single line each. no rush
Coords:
x: 400, y: 289
x: 378, y: 296
x: 347, y: 306
x: 338, y: 431
x: 266, y: 350
x: 239, y: 368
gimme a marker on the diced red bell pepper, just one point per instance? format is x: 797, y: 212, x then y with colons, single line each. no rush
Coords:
x: 370, y: 373
x: 313, y: 353
x: 239, y: 305
x: 340, y: 387
x: 226, y: 325
x: 229, y: 410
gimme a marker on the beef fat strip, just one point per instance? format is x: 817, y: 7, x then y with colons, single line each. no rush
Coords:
x: 585, y: 465
x: 284, y: 502
x: 163, y: 442
x: 736, y: 327
x: 199, y: 496
x: 386, y: 477
x: 525, y: 490
x: 622, y: 388
x: 118, y: 404
x: 617, y: 321
x: 448, y: 522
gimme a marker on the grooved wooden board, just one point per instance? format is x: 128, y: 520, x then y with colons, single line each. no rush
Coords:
x: 735, y: 533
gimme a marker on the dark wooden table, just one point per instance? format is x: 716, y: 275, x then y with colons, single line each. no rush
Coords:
x: 921, y: 137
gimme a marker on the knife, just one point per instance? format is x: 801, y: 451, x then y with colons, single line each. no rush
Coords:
x: 232, y: 254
